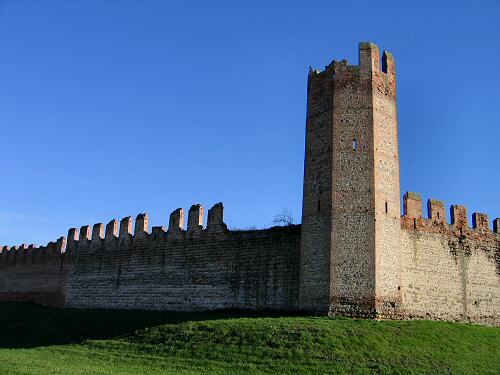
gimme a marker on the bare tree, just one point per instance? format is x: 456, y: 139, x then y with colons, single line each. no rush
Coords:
x: 284, y: 218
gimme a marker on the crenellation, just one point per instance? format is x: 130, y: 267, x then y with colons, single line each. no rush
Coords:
x: 369, y: 61
x: 313, y: 71
x: 176, y: 220
x: 215, y: 220
x: 72, y: 242
x: 111, y: 230
x: 412, y: 205
x: 436, y: 222
x: 60, y: 245
x: 34, y: 274
x: 98, y: 232
x: 369, y: 57
x: 72, y: 234
x: 195, y: 218
x: 85, y: 233
x: 459, y: 217
x: 48, y: 251
x: 141, y: 225
x: 126, y: 228
x: 436, y: 212
x: 388, y: 65
x: 459, y: 230
x: 480, y: 222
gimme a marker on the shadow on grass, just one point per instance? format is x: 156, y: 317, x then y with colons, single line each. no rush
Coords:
x: 26, y: 325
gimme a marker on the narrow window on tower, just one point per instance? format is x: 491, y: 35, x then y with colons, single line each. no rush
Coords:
x: 438, y: 215
x: 354, y: 144
x: 386, y: 208
x: 319, y: 205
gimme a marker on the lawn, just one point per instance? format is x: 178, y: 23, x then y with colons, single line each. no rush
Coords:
x: 43, y: 340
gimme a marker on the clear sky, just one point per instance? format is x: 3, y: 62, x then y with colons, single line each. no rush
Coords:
x: 111, y: 108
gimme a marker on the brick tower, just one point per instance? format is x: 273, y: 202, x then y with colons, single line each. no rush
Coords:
x: 350, y: 252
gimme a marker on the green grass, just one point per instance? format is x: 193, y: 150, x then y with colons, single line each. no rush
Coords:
x: 42, y: 340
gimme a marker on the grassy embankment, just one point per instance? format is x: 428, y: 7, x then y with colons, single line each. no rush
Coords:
x: 41, y: 340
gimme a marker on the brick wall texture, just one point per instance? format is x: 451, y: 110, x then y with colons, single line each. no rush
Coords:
x: 168, y: 270
x: 198, y: 270
x: 354, y: 254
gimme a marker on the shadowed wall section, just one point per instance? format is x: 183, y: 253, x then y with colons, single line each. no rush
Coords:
x: 174, y: 269
x: 34, y: 274
x: 197, y: 269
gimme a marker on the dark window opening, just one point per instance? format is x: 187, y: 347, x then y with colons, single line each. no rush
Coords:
x: 319, y: 204
x: 414, y: 223
x: 438, y: 215
x: 386, y: 208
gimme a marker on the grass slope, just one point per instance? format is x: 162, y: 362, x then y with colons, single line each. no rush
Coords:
x: 42, y: 340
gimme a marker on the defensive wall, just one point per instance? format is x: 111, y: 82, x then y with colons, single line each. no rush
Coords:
x: 353, y: 255
x: 174, y: 269
x: 450, y: 271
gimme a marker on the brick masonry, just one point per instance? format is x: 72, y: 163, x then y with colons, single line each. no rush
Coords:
x: 174, y: 269
x: 450, y: 271
x: 354, y: 254
x: 182, y: 270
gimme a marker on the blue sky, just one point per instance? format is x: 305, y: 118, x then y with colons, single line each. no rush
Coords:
x: 111, y: 108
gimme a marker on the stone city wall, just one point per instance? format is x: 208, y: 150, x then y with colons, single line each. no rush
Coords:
x: 34, y: 274
x: 450, y: 271
x: 174, y: 269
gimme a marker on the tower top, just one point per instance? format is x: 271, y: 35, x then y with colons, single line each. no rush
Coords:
x: 368, y: 59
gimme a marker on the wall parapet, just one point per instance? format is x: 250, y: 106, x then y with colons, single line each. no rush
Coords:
x: 29, y: 254
x: 370, y: 63
x: 436, y: 220
x: 93, y: 236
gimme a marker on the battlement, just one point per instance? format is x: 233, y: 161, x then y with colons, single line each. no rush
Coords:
x: 18, y: 255
x: 369, y: 60
x: 173, y: 268
x: 97, y: 235
x: 436, y: 219
x: 141, y: 232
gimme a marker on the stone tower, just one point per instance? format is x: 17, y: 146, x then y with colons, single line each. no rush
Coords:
x: 350, y: 252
